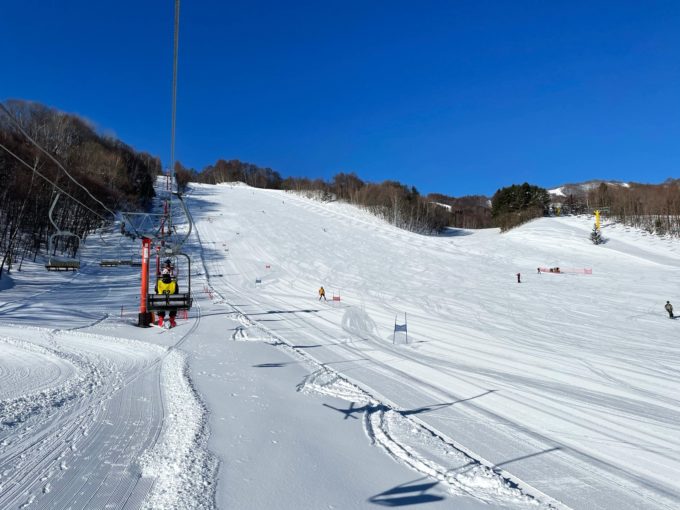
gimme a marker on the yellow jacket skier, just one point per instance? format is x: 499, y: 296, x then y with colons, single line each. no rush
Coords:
x: 166, y: 285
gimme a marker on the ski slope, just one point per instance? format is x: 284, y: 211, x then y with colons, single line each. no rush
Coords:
x: 567, y: 382
x: 559, y: 392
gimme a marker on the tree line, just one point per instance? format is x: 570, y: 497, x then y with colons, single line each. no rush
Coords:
x: 397, y: 203
x: 652, y: 207
x: 114, y: 173
x: 123, y: 178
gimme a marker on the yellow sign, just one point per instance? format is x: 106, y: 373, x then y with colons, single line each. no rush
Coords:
x: 597, y: 219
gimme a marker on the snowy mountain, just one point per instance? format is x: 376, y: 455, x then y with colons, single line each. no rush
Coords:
x: 433, y: 378
x: 582, y: 188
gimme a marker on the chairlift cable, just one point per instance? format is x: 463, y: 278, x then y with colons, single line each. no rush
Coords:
x: 174, y: 91
x: 173, y: 128
x: 21, y: 129
x: 34, y: 170
x: 173, y: 124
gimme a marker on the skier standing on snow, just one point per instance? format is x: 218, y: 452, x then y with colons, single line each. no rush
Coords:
x: 322, y: 294
x: 669, y: 309
x: 166, y: 285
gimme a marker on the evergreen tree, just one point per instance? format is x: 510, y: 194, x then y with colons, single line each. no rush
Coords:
x: 518, y: 204
x: 596, y: 236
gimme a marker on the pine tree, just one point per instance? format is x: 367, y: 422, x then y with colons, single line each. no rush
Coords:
x: 596, y: 236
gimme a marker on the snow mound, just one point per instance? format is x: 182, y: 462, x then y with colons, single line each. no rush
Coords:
x: 180, y: 463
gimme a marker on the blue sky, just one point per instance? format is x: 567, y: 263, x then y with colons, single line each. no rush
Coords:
x: 457, y: 97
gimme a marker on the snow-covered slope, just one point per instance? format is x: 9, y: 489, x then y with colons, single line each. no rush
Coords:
x: 567, y: 381
x: 560, y: 391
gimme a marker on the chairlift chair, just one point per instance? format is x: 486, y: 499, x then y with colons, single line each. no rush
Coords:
x: 168, y: 302
x: 61, y: 263
x: 129, y: 254
x: 107, y: 258
x: 170, y: 248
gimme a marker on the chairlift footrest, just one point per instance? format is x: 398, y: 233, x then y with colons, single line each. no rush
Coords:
x: 166, y: 302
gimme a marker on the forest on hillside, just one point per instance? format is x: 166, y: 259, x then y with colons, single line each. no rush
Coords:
x: 122, y: 178
x: 397, y: 203
x: 652, y: 207
x: 112, y: 172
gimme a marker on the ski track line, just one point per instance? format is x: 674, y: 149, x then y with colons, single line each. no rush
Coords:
x: 521, y: 487
x: 96, y: 411
x: 607, y: 468
x: 50, y: 454
x: 436, y: 391
x: 42, y: 460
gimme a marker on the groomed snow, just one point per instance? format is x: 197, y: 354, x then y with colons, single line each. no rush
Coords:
x: 566, y: 382
x: 561, y: 391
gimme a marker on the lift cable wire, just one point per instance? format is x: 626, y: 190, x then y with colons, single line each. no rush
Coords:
x: 175, y: 59
x: 174, y: 91
x: 34, y: 169
x: 173, y: 129
x: 18, y: 125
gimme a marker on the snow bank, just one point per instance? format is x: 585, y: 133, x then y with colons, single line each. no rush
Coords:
x: 179, y: 462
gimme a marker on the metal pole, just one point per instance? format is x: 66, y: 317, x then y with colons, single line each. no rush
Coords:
x: 144, y: 315
x: 158, y: 261
x: 406, y: 326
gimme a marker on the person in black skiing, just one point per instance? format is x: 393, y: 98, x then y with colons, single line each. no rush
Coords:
x: 669, y: 309
x: 518, y: 278
x: 166, y: 285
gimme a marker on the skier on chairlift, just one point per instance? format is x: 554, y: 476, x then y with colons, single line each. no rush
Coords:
x: 169, y: 268
x: 166, y: 285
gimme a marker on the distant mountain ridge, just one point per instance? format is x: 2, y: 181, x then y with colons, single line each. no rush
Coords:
x: 651, y: 207
x: 582, y: 188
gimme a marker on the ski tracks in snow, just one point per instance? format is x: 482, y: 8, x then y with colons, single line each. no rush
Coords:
x: 405, y: 438
x: 111, y: 423
x: 66, y: 445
